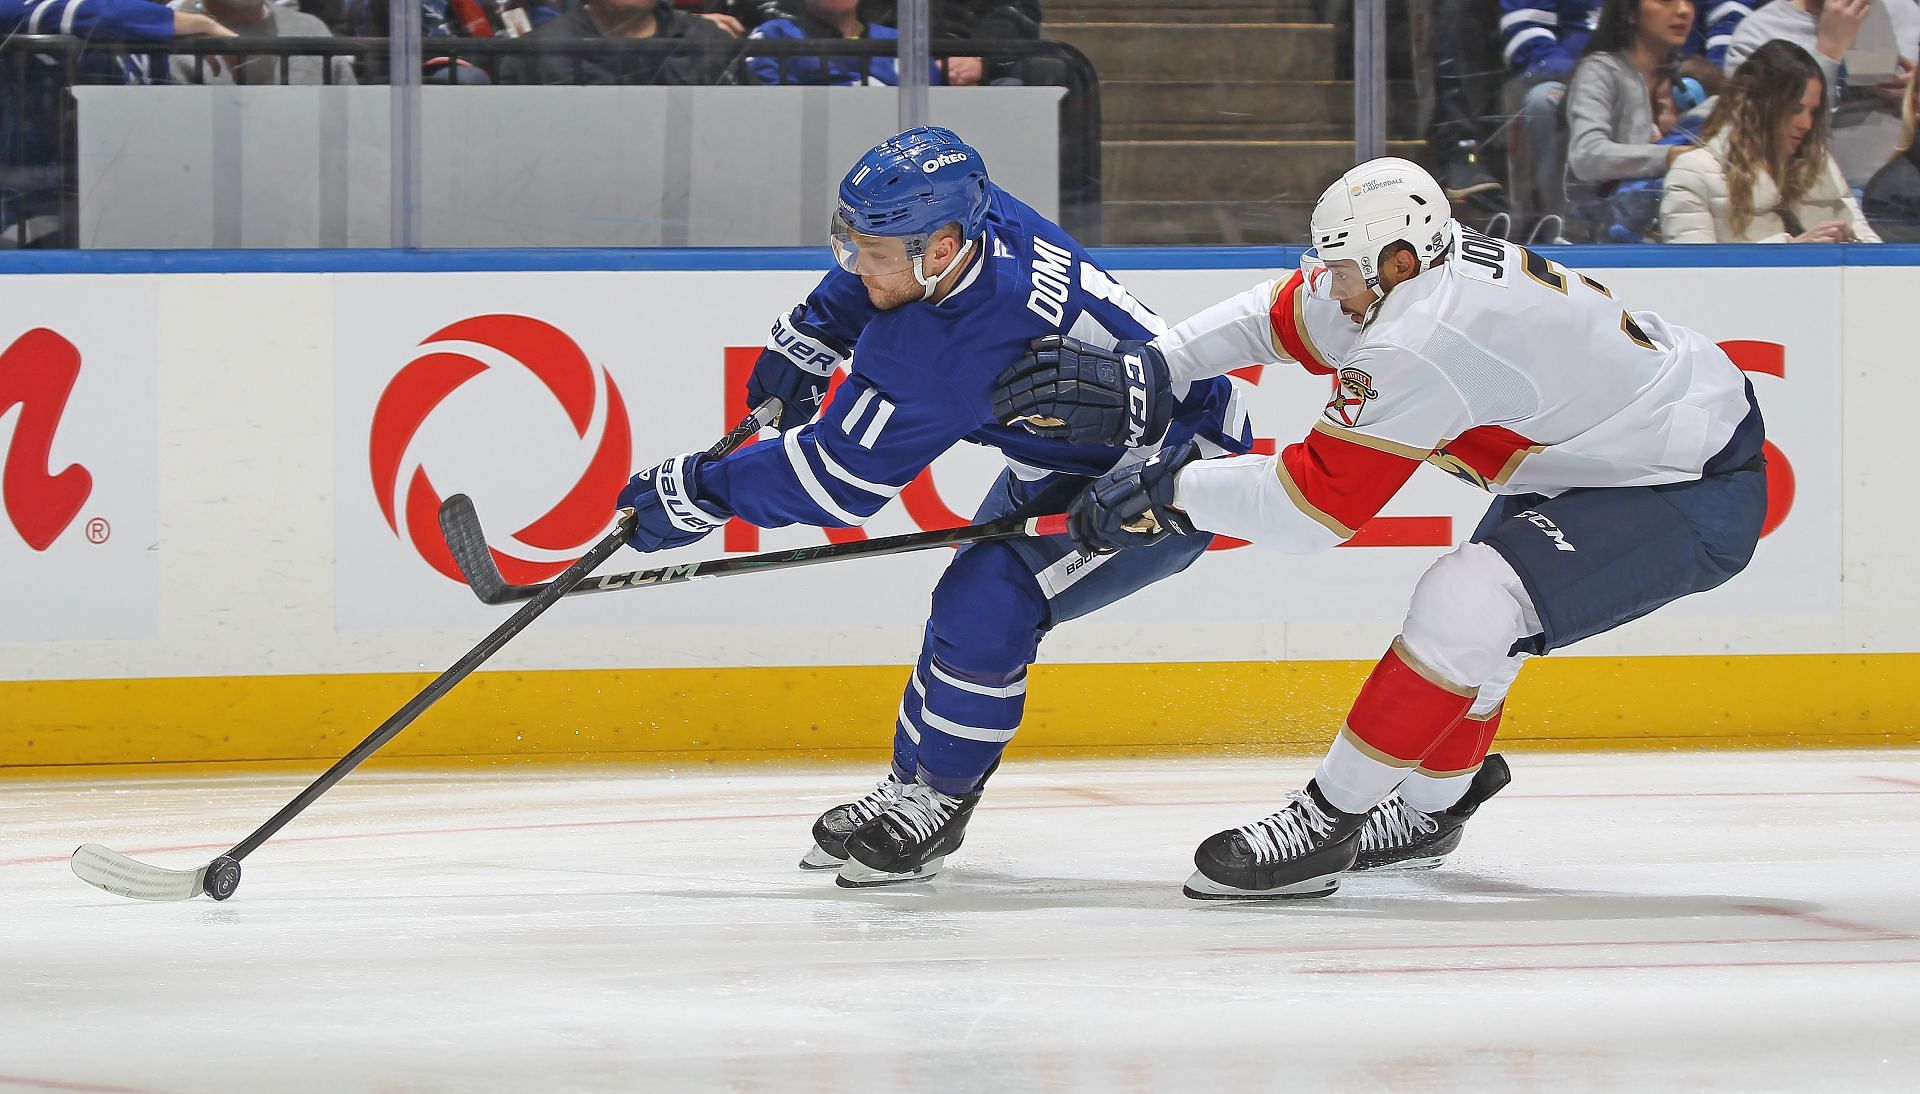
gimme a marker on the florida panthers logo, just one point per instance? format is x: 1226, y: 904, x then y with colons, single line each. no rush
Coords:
x: 1352, y: 388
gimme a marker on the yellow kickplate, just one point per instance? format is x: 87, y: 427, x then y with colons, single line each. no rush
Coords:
x: 681, y: 715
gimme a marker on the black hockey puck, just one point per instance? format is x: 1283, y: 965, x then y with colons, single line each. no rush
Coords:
x: 223, y: 877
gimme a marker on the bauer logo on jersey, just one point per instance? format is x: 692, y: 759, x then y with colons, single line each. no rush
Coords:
x: 1352, y: 388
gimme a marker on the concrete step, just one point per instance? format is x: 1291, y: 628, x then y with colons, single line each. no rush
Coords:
x: 1198, y: 11
x: 1126, y: 223
x: 1140, y: 110
x: 1226, y: 170
x: 1231, y: 53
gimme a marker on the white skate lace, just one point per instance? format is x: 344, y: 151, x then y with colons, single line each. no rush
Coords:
x: 922, y: 810
x: 876, y: 800
x: 1394, y: 824
x: 1291, y: 831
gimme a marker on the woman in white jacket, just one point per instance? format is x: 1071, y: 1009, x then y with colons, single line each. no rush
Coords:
x: 1765, y: 174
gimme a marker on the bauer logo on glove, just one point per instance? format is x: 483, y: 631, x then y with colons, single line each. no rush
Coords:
x: 668, y: 510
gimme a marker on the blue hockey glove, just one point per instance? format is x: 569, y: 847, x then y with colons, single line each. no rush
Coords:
x: 1068, y: 390
x: 1130, y: 506
x: 667, y: 507
x: 794, y: 368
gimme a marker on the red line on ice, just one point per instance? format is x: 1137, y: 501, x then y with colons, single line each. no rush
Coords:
x: 1407, y: 970
x: 58, y: 1084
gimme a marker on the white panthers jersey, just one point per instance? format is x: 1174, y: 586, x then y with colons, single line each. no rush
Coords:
x: 1500, y: 366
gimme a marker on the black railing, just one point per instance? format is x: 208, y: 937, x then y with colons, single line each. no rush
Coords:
x: 39, y: 139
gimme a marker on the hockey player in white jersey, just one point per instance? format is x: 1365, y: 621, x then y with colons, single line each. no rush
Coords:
x: 1625, y: 453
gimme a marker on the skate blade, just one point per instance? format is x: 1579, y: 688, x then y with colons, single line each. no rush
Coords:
x: 856, y: 875
x: 820, y: 859
x: 1407, y: 866
x: 1202, y: 887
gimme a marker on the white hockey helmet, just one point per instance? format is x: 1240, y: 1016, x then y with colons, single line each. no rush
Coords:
x: 1383, y: 201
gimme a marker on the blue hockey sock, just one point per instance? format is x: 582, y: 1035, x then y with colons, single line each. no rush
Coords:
x: 908, y: 724
x: 988, y: 616
x: 968, y: 717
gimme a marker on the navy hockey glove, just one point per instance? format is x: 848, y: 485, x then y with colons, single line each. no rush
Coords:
x: 667, y: 508
x: 794, y: 368
x: 1130, y: 506
x: 1068, y: 390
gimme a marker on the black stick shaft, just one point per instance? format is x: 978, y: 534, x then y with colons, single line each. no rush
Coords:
x: 460, y: 670
x: 1004, y: 528
x: 542, y: 598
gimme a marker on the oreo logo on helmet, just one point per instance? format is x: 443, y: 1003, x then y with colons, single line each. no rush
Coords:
x: 942, y: 160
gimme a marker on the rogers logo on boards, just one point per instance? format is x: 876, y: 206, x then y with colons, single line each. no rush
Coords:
x: 37, y: 373
x: 576, y: 518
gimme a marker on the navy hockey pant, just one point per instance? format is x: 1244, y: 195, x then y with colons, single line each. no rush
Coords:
x: 990, y: 609
x: 1592, y: 560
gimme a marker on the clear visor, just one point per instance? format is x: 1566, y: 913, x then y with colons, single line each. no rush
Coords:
x: 1336, y: 280
x: 873, y: 256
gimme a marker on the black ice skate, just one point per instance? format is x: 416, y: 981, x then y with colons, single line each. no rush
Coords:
x: 830, y: 832
x: 1301, y: 851
x: 1399, y: 837
x: 909, y: 840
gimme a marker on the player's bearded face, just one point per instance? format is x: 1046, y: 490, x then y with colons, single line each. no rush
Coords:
x: 884, y: 265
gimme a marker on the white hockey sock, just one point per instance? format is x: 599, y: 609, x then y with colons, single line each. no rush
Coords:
x: 1354, y: 778
x: 1435, y: 793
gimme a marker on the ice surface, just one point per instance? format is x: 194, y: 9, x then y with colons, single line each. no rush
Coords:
x: 1736, y: 921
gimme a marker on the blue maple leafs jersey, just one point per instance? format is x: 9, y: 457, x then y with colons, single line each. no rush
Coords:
x: 922, y: 380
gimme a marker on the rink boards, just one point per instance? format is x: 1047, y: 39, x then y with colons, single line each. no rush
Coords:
x: 230, y: 551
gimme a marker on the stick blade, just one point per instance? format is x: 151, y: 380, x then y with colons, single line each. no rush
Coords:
x: 105, y: 868
x: 460, y: 527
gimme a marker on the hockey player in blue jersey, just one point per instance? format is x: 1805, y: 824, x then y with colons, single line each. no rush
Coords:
x: 942, y: 278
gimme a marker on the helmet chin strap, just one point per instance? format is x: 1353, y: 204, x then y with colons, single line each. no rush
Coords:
x: 927, y: 284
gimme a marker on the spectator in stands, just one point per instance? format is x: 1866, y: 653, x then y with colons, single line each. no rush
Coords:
x: 1892, y: 202
x: 1625, y: 80
x: 257, y: 19
x: 1541, y: 40
x: 1467, y: 76
x: 1765, y: 174
x: 106, y: 20
x: 736, y: 17
x: 703, y: 54
x: 826, y: 19
x: 985, y: 20
x: 1866, y: 120
x: 34, y: 93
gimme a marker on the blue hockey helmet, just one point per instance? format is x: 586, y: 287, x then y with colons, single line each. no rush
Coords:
x: 915, y: 184
x: 908, y: 187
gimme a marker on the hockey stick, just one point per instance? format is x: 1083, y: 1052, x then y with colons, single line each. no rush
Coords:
x: 468, y: 543
x: 105, y: 868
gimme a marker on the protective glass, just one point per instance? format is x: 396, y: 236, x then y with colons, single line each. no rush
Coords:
x: 1336, y: 280
x: 873, y: 256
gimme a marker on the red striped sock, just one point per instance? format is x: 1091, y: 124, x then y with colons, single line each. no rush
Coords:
x: 1462, y: 749
x: 1404, y: 709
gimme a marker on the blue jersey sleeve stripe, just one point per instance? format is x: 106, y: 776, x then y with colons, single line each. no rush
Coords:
x: 810, y: 482
x: 832, y: 466
x: 1525, y: 36
x: 1529, y: 15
